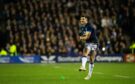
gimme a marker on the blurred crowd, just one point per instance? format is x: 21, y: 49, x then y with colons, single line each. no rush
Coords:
x: 48, y: 27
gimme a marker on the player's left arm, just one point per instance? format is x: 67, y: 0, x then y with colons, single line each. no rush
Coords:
x: 85, y: 36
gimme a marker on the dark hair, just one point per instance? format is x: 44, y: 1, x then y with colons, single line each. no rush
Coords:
x: 84, y: 16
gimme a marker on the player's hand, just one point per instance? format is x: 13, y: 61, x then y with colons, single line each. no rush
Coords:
x: 81, y: 38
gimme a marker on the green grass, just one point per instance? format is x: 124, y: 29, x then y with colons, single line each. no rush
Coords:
x: 66, y: 73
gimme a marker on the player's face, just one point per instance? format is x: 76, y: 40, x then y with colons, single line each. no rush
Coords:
x: 83, y: 20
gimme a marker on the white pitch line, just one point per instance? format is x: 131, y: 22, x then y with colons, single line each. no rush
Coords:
x: 118, y: 76
x: 121, y: 76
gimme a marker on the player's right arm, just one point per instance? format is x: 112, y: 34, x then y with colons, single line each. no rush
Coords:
x: 85, y: 36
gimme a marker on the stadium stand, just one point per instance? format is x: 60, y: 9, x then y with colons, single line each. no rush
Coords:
x: 48, y: 27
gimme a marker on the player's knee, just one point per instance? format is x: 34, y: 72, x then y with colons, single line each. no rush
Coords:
x: 85, y: 54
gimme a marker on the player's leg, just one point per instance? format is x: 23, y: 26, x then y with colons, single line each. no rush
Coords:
x: 84, y: 59
x: 91, y: 64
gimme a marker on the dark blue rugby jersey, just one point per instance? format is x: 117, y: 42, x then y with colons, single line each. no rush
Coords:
x: 89, y: 28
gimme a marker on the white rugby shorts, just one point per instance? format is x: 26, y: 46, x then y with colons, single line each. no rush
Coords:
x: 91, y: 46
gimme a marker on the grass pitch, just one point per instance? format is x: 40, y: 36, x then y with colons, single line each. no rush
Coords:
x: 66, y: 73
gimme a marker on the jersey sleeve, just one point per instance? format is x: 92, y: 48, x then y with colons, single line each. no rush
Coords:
x: 89, y: 29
